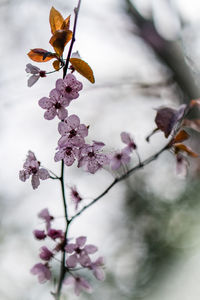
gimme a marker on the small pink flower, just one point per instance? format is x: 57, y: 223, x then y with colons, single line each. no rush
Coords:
x: 55, y: 234
x: 69, y: 87
x: 72, y: 132
x: 39, y: 234
x: 43, y: 272
x: 32, y: 168
x: 118, y: 159
x: 45, y: 253
x: 44, y: 214
x: 126, y: 138
x: 79, y: 284
x: 80, y: 254
x: 90, y: 157
x: 68, y: 154
x: 54, y: 105
x: 75, y: 196
x: 36, y: 74
x: 96, y: 268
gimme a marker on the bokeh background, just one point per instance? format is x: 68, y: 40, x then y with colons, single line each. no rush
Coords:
x: 144, y: 54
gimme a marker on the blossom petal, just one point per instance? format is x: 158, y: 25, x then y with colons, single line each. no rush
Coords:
x: 35, y: 181
x: 50, y: 113
x: 45, y: 103
x: 32, y: 80
x: 43, y: 174
x: 81, y: 240
x: 62, y: 113
x: 72, y: 261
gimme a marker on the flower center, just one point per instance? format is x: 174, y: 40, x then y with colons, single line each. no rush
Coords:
x: 68, y: 151
x: 118, y: 156
x: 57, y: 105
x: 42, y: 74
x: 91, y: 154
x: 68, y: 89
x: 72, y: 133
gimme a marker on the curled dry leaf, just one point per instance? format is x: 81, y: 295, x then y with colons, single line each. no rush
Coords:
x: 40, y: 55
x: 184, y: 148
x: 83, y: 68
x: 180, y: 137
x: 60, y: 39
x: 167, y: 118
x: 56, y: 65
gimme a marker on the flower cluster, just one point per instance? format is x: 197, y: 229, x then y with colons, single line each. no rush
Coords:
x: 78, y: 253
x: 32, y: 168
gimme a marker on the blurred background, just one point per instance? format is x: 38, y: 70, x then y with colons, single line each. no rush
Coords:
x: 144, y: 54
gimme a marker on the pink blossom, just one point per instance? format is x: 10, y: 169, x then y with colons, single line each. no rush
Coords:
x: 54, y: 105
x: 44, y: 214
x: 80, y: 253
x: 126, y: 138
x: 39, y: 234
x: 68, y: 154
x: 43, y: 272
x: 75, y: 196
x: 96, y: 268
x: 45, y: 253
x: 90, y: 157
x: 72, y: 132
x: 32, y: 168
x: 118, y: 159
x: 36, y: 74
x: 55, y: 234
x: 79, y: 284
x: 69, y: 87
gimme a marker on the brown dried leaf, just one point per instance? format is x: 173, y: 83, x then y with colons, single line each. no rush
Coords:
x: 55, y: 19
x: 184, y: 148
x: 83, y: 68
x: 60, y: 39
x: 180, y: 137
x: 66, y: 24
x: 40, y: 55
x: 56, y: 65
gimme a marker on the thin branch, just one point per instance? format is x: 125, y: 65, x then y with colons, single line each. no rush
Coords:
x: 124, y: 176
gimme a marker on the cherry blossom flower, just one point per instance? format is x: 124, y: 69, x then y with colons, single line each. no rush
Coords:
x: 69, y: 87
x: 32, y: 168
x: 39, y: 234
x: 44, y: 214
x: 36, y: 74
x: 72, y: 131
x: 45, y: 253
x: 68, y: 154
x: 90, y: 157
x: 119, y: 159
x: 54, y: 105
x: 43, y: 272
x: 55, y: 233
x: 75, y: 196
x: 96, y: 268
x: 79, y: 284
x: 126, y: 138
x: 80, y: 254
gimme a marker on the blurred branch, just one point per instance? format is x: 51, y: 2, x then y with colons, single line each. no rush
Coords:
x: 168, y: 52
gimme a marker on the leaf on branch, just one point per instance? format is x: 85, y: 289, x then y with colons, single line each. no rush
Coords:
x: 56, y: 65
x: 180, y: 137
x: 60, y: 39
x: 40, y: 55
x: 55, y: 19
x: 194, y: 124
x: 167, y: 118
x: 184, y: 148
x: 66, y: 24
x: 195, y: 103
x: 83, y: 68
